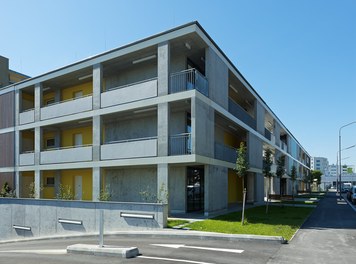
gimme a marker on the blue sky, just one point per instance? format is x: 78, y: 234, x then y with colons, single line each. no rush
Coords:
x: 300, y: 56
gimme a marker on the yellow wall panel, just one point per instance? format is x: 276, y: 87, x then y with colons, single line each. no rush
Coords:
x: 232, y: 186
x: 68, y: 136
x: 230, y: 140
x: 68, y: 179
x: 27, y: 177
x: 68, y: 93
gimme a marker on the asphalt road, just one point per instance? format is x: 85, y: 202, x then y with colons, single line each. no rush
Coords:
x: 328, y: 236
x: 193, y: 251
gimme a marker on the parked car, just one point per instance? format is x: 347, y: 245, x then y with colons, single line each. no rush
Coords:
x: 351, y: 194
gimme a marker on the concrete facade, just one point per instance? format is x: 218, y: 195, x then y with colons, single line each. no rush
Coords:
x: 158, y: 120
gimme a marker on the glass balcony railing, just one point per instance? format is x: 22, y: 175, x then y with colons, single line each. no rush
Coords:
x: 241, y: 114
x: 225, y: 153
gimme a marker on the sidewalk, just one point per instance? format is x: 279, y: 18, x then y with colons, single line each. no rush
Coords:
x: 328, y: 236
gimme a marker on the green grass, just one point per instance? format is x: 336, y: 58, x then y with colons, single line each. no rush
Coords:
x: 280, y: 221
x: 173, y: 223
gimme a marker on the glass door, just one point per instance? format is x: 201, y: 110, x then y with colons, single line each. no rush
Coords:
x: 195, y: 189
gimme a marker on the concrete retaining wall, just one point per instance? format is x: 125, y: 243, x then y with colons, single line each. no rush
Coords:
x: 43, y: 217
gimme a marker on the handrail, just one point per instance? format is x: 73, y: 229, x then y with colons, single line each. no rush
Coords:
x: 129, y: 140
x: 180, y: 135
x: 68, y: 100
x: 68, y: 147
x: 27, y: 152
x: 130, y: 84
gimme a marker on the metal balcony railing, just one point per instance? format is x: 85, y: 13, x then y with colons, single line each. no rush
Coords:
x: 225, y: 153
x: 268, y: 134
x: 180, y: 144
x: 188, y: 80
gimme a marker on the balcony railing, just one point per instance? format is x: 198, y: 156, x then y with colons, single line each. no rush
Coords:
x: 180, y: 144
x: 241, y: 114
x: 225, y: 153
x: 188, y: 80
x: 67, y: 154
x: 268, y: 134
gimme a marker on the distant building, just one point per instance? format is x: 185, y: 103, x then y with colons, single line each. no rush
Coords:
x: 320, y: 164
x: 330, y: 176
x: 8, y: 76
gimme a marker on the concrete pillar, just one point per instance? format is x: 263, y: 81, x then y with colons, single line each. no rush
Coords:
x: 203, y: 128
x: 38, y: 101
x: 57, y: 95
x: 96, y: 183
x: 97, y: 85
x: 217, y: 73
x: 38, y: 144
x: 38, y: 183
x: 163, y: 70
x: 162, y: 183
x: 17, y: 143
x: 97, y: 135
x: 258, y: 187
x: 163, y: 116
x: 260, y: 117
x: 57, y: 181
x: 17, y: 183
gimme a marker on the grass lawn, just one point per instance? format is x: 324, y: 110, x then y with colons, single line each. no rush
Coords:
x: 280, y: 221
x: 173, y: 223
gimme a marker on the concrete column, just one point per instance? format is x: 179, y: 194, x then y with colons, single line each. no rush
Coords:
x: 57, y: 181
x: 260, y: 117
x: 215, y: 189
x: 258, y: 187
x: 162, y: 183
x: 97, y: 85
x: 96, y: 183
x: 38, y: 100
x: 217, y: 73
x: 17, y: 183
x: 163, y: 70
x: 18, y: 103
x: 203, y: 128
x: 38, y: 183
x: 163, y: 116
x: 97, y: 135
x: 38, y: 144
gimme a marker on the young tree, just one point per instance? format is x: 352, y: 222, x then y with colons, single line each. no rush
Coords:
x: 280, y: 171
x: 293, y: 175
x: 267, y: 163
x: 241, y: 169
x: 316, y: 175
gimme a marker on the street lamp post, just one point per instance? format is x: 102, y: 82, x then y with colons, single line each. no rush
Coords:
x: 354, y: 122
x: 337, y: 164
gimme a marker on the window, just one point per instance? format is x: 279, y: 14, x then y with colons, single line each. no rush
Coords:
x: 50, y: 143
x: 50, y: 181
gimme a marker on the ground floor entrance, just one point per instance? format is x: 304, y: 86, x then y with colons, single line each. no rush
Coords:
x: 195, y: 189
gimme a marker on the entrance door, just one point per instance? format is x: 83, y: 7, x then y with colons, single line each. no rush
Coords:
x: 195, y: 189
x: 78, y: 188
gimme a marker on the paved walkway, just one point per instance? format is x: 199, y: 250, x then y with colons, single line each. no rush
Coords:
x: 328, y: 236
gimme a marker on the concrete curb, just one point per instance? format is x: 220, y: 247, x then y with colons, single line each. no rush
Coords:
x: 108, y: 251
x: 166, y: 233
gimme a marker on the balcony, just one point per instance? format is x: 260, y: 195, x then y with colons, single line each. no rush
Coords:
x: 67, y: 107
x: 241, y: 114
x: 129, y: 93
x: 180, y: 144
x: 284, y: 146
x: 27, y: 116
x: 268, y: 134
x: 225, y: 153
x: 27, y: 158
x: 67, y: 154
x: 130, y: 148
x: 188, y: 80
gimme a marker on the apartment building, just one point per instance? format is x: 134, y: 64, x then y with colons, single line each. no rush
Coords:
x: 8, y: 76
x: 156, y: 120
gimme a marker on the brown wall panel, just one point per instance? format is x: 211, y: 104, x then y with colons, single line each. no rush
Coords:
x: 7, y: 149
x: 7, y: 177
x: 7, y: 110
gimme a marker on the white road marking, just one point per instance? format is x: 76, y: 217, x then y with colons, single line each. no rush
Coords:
x: 38, y: 251
x: 239, y: 251
x: 176, y: 260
